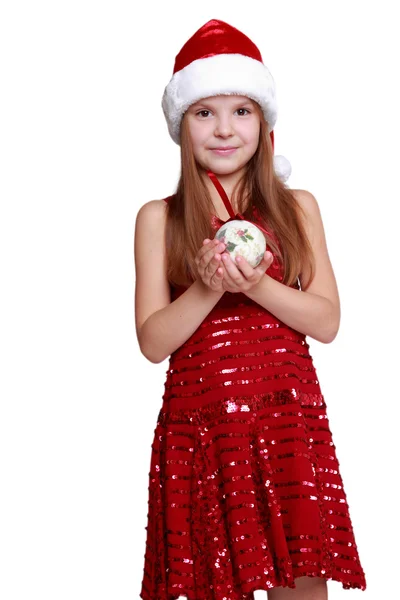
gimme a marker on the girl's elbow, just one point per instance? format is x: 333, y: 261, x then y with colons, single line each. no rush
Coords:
x: 328, y: 339
x: 150, y: 352
x: 332, y: 325
x: 331, y: 333
x: 153, y: 357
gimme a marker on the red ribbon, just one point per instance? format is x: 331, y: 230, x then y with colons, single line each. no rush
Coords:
x: 228, y: 205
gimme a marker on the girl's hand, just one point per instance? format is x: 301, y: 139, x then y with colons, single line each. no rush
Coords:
x: 209, y: 267
x: 240, y: 276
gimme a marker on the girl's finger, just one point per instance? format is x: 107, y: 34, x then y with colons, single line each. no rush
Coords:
x: 218, y: 274
x: 266, y: 262
x: 242, y: 264
x: 227, y: 277
x: 211, y: 250
x: 213, y: 266
x: 231, y: 268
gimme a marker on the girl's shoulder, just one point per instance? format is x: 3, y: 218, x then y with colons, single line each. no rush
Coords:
x: 305, y: 199
x: 154, y: 206
x: 151, y: 217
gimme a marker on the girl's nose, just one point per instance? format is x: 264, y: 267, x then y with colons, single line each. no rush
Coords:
x: 223, y: 127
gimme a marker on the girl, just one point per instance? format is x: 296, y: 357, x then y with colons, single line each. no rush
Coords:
x: 245, y: 492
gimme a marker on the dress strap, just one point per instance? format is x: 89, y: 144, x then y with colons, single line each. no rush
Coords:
x: 222, y: 193
x: 228, y: 205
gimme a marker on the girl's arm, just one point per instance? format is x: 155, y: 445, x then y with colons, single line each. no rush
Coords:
x: 307, y: 313
x: 161, y: 325
x: 314, y: 311
x: 168, y: 328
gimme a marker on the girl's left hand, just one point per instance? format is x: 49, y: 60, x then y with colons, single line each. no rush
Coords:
x: 239, y: 276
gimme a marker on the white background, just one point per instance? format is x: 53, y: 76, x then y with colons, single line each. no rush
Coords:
x: 84, y: 144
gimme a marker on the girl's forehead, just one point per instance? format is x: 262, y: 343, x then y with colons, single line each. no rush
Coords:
x: 224, y: 99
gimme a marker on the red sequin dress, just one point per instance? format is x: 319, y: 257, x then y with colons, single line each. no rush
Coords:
x: 245, y: 491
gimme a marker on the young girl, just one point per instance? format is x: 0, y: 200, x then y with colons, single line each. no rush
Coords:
x: 245, y: 491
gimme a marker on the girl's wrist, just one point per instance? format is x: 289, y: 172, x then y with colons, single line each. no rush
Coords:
x: 207, y: 291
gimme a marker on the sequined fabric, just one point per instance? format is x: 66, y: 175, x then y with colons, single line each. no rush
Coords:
x: 245, y: 491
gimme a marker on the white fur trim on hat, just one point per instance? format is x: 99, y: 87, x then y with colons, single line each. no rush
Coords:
x: 214, y: 75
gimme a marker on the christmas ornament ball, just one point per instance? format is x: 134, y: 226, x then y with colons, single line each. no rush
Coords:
x: 243, y: 238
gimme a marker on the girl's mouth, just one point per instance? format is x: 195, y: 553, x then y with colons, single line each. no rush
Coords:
x: 224, y: 152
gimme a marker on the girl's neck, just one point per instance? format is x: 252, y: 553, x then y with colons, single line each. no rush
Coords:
x: 228, y: 182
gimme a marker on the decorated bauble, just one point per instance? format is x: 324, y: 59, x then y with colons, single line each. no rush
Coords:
x: 243, y: 238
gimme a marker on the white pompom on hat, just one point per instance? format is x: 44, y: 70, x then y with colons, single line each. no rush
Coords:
x: 220, y: 59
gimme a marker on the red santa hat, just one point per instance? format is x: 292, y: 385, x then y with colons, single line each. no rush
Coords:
x: 220, y: 59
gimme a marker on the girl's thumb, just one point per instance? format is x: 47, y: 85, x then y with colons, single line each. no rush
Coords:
x: 266, y: 261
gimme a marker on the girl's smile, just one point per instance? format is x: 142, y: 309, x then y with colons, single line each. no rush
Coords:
x: 226, y: 152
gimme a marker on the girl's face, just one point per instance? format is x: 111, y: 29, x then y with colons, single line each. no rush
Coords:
x: 221, y: 122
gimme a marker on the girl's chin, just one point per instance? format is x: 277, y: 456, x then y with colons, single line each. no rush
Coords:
x: 225, y: 169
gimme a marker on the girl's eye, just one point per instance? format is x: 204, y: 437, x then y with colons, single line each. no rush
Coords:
x: 207, y: 111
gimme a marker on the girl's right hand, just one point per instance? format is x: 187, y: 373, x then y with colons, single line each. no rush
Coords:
x: 208, y: 261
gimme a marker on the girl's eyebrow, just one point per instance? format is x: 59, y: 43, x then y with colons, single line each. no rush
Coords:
x: 208, y: 104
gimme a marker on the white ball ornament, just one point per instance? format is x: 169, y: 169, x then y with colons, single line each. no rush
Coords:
x: 243, y: 238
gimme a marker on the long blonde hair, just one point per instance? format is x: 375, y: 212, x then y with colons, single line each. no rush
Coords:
x: 190, y: 209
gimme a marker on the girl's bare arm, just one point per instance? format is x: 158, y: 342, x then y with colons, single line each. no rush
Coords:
x: 163, y: 326
x: 168, y: 328
x: 315, y: 310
